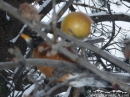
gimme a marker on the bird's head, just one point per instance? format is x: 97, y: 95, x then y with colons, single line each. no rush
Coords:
x: 32, y: 41
x: 37, y: 45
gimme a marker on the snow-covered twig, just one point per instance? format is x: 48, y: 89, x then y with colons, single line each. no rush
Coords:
x: 18, y: 56
x: 61, y: 85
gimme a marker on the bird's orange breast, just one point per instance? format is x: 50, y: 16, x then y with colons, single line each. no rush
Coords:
x: 44, y: 51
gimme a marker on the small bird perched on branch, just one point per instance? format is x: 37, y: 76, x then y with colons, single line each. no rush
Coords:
x: 43, y: 50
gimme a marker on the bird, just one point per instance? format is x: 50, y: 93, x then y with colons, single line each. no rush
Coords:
x: 43, y: 51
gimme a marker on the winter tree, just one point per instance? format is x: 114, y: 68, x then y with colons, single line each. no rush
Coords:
x: 42, y: 56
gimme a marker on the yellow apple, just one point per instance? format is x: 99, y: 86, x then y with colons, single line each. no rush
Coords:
x: 77, y: 24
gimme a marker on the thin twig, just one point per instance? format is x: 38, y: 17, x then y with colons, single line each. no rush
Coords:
x: 54, y: 20
x: 85, y: 5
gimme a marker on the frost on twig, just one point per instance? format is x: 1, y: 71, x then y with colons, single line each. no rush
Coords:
x: 38, y: 82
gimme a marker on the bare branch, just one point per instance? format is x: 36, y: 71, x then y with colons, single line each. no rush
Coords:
x: 67, y: 66
x: 42, y: 62
x: 85, y: 5
x: 101, y: 17
x: 54, y: 20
